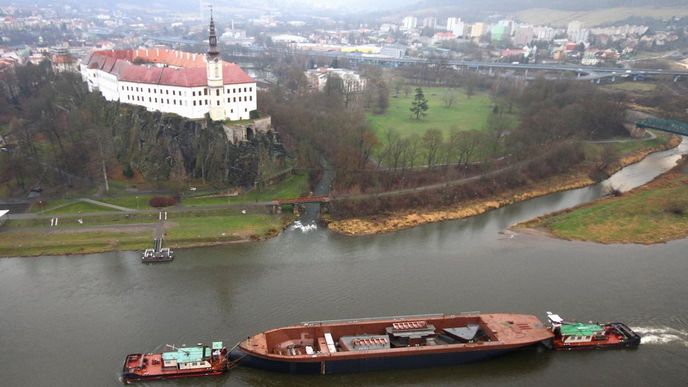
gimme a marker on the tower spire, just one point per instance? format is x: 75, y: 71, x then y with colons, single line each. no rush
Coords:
x: 212, y: 37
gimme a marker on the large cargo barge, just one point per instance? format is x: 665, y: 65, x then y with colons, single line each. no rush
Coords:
x: 346, y: 346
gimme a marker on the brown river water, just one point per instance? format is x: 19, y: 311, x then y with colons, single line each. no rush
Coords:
x: 70, y: 320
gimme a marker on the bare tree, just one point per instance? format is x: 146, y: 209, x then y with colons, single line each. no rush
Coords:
x: 449, y: 97
x: 432, y: 141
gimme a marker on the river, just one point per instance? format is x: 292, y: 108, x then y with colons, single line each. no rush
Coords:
x: 70, y: 320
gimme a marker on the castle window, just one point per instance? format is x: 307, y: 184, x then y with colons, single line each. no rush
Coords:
x: 194, y: 103
x: 218, y: 103
x: 234, y: 99
x: 149, y: 89
x: 167, y: 92
x: 168, y: 101
x: 206, y: 101
x: 156, y: 100
x: 228, y: 99
x: 193, y: 93
x: 250, y: 98
x: 245, y: 109
x: 231, y: 111
x: 217, y: 92
x: 174, y: 102
x: 150, y: 99
x: 233, y: 90
x: 250, y: 89
x: 205, y: 91
x: 244, y: 89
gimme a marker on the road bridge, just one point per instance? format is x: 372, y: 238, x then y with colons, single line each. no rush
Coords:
x: 278, y: 203
x: 582, y: 72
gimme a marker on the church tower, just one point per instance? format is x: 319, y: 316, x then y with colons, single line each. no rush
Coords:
x: 215, y: 82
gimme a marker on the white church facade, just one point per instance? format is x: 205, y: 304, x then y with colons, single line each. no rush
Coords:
x: 190, y: 85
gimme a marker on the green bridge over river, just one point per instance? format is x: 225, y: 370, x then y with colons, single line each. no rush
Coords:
x: 670, y: 126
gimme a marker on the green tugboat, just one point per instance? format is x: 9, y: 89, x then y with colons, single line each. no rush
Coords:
x: 571, y: 335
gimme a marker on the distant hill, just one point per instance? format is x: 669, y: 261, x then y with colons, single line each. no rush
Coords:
x: 599, y: 16
x: 554, y: 12
x: 564, y: 5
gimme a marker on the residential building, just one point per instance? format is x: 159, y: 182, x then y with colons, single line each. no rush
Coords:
x: 498, y: 32
x: 478, y: 30
x: 351, y: 80
x: 524, y: 35
x: 430, y: 22
x: 546, y: 34
x: 455, y: 25
x: 442, y: 36
x: 409, y: 23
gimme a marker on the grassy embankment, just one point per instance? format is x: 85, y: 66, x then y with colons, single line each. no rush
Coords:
x: 629, y: 153
x: 191, y: 225
x: 654, y: 213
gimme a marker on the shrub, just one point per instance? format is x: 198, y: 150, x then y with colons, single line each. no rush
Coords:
x: 128, y: 172
x: 677, y: 206
x: 162, y: 201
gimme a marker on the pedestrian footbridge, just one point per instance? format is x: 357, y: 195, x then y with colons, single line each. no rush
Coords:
x: 665, y: 125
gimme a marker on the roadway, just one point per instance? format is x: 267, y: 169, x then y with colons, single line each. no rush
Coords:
x: 477, y: 65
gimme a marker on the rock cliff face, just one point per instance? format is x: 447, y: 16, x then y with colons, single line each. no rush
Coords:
x: 164, y: 147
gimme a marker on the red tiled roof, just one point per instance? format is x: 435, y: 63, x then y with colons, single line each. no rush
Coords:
x: 188, y: 70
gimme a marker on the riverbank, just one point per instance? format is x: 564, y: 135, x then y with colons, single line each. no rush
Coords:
x: 577, y: 178
x: 128, y: 222
x: 654, y: 213
x: 119, y: 232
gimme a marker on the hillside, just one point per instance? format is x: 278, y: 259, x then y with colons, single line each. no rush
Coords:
x: 599, y: 16
x: 545, y: 12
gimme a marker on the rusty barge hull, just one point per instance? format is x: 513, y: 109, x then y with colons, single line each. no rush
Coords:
x: 390, y: 343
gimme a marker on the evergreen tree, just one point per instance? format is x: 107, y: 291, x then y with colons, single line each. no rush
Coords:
x: 419, y: 105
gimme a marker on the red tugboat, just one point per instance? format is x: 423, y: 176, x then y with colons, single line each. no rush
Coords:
x: 570, y: 336
x: 347, y: 346
x: 184, y: 362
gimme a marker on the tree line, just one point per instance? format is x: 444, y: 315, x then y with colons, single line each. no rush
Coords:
x: 59, y: 135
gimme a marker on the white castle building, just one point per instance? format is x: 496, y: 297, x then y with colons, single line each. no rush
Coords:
x: 190, y: 85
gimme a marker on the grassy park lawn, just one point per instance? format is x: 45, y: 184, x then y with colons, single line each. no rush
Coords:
x: 31, y: 242
x: 139, y: 202
x: 466, y: 114
x: 222, y: 228
x: 632, y: 86
x: 134, y: 231
x: 657, y: 212
x: 292, y: 187
x: 76, y: 207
